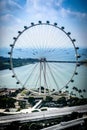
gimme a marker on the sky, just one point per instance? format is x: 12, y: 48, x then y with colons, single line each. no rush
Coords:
x: 15, y: 14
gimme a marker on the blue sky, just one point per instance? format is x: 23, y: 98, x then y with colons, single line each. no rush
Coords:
x: 14, y: 14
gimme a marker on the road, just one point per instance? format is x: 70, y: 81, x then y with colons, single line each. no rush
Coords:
x: 67, y: 124
x: 42, y: 115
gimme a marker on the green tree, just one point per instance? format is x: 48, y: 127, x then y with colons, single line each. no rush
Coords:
x: 6, y: 102
x: 22, y: 104
x: 49, y: 99
x: 62, y: 101
x: 31, y: 100
x: 74, y: 115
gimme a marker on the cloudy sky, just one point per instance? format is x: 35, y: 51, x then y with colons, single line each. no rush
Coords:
x: 14, y: 14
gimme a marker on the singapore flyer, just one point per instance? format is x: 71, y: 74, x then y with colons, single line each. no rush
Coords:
x: 44, y: 58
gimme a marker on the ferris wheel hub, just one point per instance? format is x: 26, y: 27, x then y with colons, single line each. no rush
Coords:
x: 43, y: 59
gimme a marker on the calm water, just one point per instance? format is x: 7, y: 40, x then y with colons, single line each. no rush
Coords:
x: 61, y: 72
x: 7, y: 81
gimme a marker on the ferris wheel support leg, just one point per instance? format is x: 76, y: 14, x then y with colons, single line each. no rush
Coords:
x: 40, y: 78
x: 45, y: 83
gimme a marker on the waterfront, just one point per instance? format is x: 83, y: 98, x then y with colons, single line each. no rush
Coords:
x: 6, y: 80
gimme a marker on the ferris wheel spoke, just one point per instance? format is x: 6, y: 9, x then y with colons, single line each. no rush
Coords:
x: 34, y: 79
x: 45, y: 78
x: 30, y: 74
x: 50, y: 84
x: 62, y: 76
x: 59, y: 73
x: 53, y: 77
x: 68, y: 69
x: 36, y: 84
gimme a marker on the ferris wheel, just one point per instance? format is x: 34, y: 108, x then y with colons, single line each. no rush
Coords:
x: 44, y: 58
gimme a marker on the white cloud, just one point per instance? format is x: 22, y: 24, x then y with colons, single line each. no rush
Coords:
x: 9, y: 19
x: 39, y: 5
x: 41, y: 10
x: 59, y: 3
x: 15, y: 4
x: 35, y: 10
x: 67, y: 13
x: 9, y: 6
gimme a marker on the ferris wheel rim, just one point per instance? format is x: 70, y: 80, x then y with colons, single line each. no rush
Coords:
x: 33, y: 25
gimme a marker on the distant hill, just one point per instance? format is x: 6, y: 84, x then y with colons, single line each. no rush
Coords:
x: 17, y: 62
x: 4, y: 63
